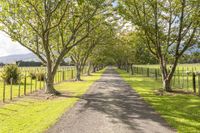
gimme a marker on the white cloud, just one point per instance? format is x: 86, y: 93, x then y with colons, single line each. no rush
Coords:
x: 9, y: 47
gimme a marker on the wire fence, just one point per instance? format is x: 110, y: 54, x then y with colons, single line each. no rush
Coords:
x: 185, y: 79
x: 29, y: 84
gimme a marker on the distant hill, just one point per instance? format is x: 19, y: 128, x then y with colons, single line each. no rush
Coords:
x: 22, y: 57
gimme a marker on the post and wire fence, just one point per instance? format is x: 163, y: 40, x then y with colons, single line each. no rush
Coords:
x: 30, y: 83
x: 184, y: 78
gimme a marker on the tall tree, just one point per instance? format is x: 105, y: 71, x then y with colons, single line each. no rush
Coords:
x: 169, y: 27
x: 49, y: 28
x: 81, y: 53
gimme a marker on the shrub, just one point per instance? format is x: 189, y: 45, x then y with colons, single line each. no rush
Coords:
x: 11, y: 72
x: 40, y: 76
x: 32, y: 75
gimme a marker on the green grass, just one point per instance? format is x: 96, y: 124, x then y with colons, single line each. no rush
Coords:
x: 29, y: 115
x: 189, y: 67
x: 181, y: 78
x: 35, y: 85
x: 181, y: 111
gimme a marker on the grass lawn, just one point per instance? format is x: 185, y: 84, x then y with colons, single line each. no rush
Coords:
x: 31, y: 85
x: 180, y: 111
x: 189, y: 67
x: 31, y: 115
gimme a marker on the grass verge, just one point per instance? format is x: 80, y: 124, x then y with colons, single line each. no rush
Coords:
x: 179, y: 110
x: 32, y: 115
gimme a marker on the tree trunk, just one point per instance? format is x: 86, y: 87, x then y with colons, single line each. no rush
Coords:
x: 166, y: 78
x: 127, y: 67
x: 167, y: 74
x: 119, y: 65
x: 88, y: 70
x: 132, y: 69
x: 94, y: 69
x: 167, y: 85
x: 50, y: 84
x: 78, y: 73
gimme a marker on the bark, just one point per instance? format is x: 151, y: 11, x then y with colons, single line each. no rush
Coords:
x: 78, y: 73
x: 167, y: 85
x: 94, y: 69
x: 132, y: 69
x: 88, y: 70
x: 118, y: 65
x: 127, y: 67
x: 50, y: 84
x: 167, y: 75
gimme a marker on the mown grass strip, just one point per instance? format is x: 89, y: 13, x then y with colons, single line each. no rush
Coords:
x: 30, y: 115
x: 181, y: 111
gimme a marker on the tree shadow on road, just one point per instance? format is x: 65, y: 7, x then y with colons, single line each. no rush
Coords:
x: 119, y: 102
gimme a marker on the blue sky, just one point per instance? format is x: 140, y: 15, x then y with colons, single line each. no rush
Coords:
x: 9, y: 47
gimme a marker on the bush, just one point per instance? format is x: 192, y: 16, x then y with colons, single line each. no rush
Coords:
x: 32, y: 75
x: 11, y: 72
x: 40, y: 76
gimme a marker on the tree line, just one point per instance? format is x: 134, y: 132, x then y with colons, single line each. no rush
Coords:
x: 56, y: 29
x: 95, y: 32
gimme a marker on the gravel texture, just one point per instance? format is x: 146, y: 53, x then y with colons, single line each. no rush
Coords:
x: 111, y: 106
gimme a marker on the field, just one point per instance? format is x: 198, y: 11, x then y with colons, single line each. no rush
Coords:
x: 186, y: 77
x: 180, y: 110
x: 189, y: 67
x: 36, y: 114
x: 29, y: 85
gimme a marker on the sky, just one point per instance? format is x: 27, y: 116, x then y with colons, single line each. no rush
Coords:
x: 9, y: 47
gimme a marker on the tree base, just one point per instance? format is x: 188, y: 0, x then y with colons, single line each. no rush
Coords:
x: 88, y: 74
x: 78, y: 80
x: 168, y: 90
x: 52, y: 91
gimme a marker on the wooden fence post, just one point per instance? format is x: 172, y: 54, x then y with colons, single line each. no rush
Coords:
x: 25, y: 85
x: 40, y: 82
x: 147, y: 72
x: 4, y: 91
x: 178, y: 78
x: 11, y: 82
x: 19, y: 90
x: 142, y: 71
x: 187, y: 81
x: 44, y: 82
x: 156, y: 75
x: 63, y: 75
x: 31, y: 84
x: 35, y: 83
x: 183, y: 78
x: 72, y: 75
x: 199, y: 83
x: 194, y: 82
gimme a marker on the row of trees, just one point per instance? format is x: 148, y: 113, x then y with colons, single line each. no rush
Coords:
x: 130, y: 49
x: 56, y: 29
x: 168, y: 29
x: 90, y: 33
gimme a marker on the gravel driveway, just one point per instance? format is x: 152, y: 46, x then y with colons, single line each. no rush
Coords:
x: 111, y: 106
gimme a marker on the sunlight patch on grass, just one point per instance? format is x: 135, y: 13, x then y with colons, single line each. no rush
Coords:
x: 29, y: 115
x: 181, y: 111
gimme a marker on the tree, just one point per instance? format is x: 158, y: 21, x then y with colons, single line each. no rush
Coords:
x: 169, y: 27
x: 103, y: 53
x: 81, y: 53
x: 49, y: 28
